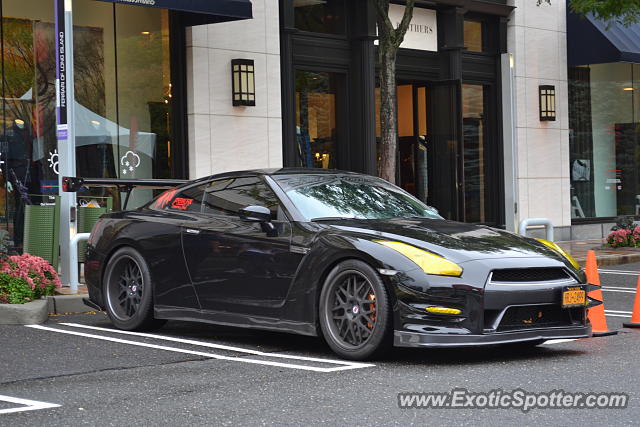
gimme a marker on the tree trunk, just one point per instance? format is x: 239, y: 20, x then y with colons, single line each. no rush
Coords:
x: 389, y: 40
x: 388, y: 115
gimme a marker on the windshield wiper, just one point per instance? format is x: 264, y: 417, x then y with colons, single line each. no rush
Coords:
x: 330, y: 218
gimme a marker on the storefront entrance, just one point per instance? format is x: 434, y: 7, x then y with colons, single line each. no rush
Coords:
x: 441, y: 164
x: 450, y: 137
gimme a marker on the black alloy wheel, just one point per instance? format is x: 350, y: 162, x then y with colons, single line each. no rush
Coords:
x: 128, y: 292
x: 354, y: 311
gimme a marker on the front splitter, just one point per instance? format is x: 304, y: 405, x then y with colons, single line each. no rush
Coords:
x: 416, y: 339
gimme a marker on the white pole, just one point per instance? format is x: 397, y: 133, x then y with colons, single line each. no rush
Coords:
x: 510, y: 148
x: 66, y: 139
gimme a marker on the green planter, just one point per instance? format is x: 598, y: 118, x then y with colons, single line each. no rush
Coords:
x: 87, y: 218
x: 42, y: 230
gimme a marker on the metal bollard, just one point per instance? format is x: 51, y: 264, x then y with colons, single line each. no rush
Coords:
x: 528, y: 222
x: 73, y: 272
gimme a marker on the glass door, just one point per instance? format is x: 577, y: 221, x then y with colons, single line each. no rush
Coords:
x: 445, y: 161
x: 477, y: 156
x: 413, y: 170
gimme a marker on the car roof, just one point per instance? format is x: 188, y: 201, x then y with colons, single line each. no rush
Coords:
x: 278, y: 171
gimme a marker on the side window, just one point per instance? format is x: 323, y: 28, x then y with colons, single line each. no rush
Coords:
x: 188, y: 200
x: 228, y: 196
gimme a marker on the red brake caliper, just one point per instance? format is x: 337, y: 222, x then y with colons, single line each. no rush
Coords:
x: 372, y: 305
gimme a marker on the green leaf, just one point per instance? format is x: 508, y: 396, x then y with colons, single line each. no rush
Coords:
x: 625, y: 12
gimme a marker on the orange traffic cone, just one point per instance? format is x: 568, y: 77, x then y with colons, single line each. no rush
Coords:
x: 596, y: 314
x: 635, y: 316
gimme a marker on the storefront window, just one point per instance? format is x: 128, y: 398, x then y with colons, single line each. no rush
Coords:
x: 604, y: 140
x: 320, y: 16
x: 122, y: 105
x: 28, y: 144
x: 316, y: 119
x: 473, y: 35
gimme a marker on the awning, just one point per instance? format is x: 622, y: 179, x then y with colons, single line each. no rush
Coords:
x: 590, y: 41
x: 219, y: 10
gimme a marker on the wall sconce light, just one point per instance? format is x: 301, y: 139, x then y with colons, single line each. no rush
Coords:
x: 243, y: 82
x: 547, y: 103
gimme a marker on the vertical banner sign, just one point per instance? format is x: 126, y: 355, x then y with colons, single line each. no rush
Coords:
x: 61, y: 74
x: 66, y: 138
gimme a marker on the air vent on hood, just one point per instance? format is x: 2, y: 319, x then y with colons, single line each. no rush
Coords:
x: 528, y: 275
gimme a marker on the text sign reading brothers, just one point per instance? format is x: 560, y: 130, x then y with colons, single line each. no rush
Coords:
x: 423, y: 31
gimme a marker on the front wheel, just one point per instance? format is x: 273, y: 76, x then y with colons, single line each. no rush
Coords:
x: 355, y: 313
x: 128, y: 292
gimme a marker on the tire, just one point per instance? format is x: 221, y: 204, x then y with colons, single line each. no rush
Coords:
x: 128, y: 292
x: 355, y: 312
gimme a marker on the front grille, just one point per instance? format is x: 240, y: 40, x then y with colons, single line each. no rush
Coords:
x: 535, y: 316
x: 518, y: 275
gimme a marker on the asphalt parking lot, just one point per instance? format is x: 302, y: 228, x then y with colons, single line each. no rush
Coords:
x: 77, y: 370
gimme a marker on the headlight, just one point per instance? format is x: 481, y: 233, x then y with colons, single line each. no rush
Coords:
x: 559, y: 250
x: 430, y: 263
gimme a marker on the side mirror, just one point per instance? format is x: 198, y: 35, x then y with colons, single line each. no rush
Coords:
x: 255, y: 214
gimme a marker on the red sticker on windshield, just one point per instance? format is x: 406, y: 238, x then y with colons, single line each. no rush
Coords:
x: 164, y: 199
x: 181, y: 203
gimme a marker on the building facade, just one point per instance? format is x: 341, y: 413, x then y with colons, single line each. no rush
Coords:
x: 154, y: 99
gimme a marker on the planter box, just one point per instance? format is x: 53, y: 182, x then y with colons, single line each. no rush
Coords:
x: 41, y: 231
x: 87, y: 218
x: 24, y: 314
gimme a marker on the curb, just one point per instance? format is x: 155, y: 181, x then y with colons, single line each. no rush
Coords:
x: 64, y: 304
x: 24, y: 314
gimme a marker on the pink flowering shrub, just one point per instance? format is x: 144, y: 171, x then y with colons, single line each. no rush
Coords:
x: 624, y: 237
x: 35, y: 271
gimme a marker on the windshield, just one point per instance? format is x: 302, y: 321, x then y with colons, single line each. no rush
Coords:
x: 320, y: 197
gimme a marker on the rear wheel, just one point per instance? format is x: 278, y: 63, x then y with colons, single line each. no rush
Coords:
x: 128, y: 292
x: 355, y: 314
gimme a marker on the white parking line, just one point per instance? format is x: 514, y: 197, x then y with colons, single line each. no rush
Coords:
x: 346, y: 365
x: 617, y: 313
x: 28, y: 405
x: 622, y: 290
x: 622, y: 272
x: 211, y: 345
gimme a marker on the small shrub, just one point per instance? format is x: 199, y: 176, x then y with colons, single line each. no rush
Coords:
x: 621, y: 237
x: 14, y: 290
x: 624, y: 222
x: 35, y: 271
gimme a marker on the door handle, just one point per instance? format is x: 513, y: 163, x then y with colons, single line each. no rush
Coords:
x: 192, y: 231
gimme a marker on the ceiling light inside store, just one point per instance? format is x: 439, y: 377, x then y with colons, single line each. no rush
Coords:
x: 628, y: 88
x: 146, y: 33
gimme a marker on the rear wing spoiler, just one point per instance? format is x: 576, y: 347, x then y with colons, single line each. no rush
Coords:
x: 72, y: 184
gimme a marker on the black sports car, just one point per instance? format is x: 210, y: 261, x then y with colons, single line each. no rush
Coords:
x: 346, y: 256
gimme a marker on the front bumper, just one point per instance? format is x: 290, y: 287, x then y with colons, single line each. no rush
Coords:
x: 419, y: 339
x: 491, y: 312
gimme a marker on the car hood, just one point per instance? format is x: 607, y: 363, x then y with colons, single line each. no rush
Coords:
x: 458, y: 242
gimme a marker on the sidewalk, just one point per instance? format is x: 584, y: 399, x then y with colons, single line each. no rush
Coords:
x: 605, y: 255
x: 64, y: 302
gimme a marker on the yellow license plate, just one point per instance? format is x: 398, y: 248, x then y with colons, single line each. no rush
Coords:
x: 573, y: 297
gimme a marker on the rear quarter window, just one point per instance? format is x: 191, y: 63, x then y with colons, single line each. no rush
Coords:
x: 187, y: 200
